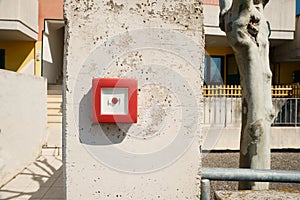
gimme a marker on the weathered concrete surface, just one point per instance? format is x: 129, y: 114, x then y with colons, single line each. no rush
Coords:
x: 159, y: 43
x: 23, y: 121
x: 261, y: 195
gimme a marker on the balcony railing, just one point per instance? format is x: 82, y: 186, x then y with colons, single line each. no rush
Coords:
x: 278, y: 91
x: 211, y: 2
x: 288, y: 111
x: 223, y: 106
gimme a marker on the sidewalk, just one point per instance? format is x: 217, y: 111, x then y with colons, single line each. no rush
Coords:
x: 42, y: 179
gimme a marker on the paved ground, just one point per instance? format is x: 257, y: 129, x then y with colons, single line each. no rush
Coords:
x: 279, y: 160
x: 43, y: 178
x: 40, y: 180
x: 262, y: 195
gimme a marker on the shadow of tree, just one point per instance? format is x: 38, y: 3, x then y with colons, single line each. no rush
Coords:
x: 40, y: 180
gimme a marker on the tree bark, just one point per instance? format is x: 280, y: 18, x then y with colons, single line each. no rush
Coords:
x: 247, y: 31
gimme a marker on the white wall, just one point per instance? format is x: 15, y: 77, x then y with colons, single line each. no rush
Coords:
x: 19, y: 16
x: 53, y: 45
x: 24, y: 11
x: 228, y: 138
x: 23, y: 121
x: 281, y: 14
x: 28, y: 68
x: 158, y: 157
x: 289, y: 51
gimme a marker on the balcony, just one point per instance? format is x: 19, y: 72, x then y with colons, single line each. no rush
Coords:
x: 19, y: 20
x: 223, y: 105
x: 280, y: 14
x: 289, y: 51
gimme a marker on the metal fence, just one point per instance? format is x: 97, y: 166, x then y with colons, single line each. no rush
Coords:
x: 238, y: 174
x: 222, y: 111
x: 227, y: 111
x: 288, y: 113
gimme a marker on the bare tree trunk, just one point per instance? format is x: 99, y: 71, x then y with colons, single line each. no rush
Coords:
x: 247, y: 32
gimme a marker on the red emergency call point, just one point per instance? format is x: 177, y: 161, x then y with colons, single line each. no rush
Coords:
x: 114, y: 100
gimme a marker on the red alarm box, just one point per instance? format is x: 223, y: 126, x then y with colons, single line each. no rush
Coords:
x: 114, y: 100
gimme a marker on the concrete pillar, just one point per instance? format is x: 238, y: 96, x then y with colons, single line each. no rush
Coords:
x: 160, y: 44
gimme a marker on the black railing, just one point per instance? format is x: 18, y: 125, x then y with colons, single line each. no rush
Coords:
x: 289, y: 113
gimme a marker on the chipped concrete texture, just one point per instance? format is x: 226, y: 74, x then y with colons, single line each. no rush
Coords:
x: 159, y: 43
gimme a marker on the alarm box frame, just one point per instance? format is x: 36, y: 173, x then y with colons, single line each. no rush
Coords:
x: 114, y: 100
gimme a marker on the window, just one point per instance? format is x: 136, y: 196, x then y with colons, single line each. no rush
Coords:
x: 2, y: 59
x: 213, y: 70
x: 232, y: 75
x: 296, y: 76
x: 298, y: 7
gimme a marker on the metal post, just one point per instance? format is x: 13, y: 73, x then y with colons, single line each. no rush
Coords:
x: 291, y: 111
x: 225, y: 111
x: 205, y: 189
x: 281, y: 113
x: 285, y: 112
x: 215, y: 111
x: 231, y: 110
x: 296, y: 111
x: 204, y: 110
x: 220, y: 109
x: 210, y: 107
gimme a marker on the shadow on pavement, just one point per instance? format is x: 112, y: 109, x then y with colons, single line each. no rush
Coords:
x: 42, y: 179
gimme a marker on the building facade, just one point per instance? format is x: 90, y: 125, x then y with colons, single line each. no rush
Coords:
x: 32, y: 35
x: 22, y: 31
x: 284, y: 44
x: 222, y: 91
x: 18, y: 35
x: 31, y: 41
x: 31, y: 56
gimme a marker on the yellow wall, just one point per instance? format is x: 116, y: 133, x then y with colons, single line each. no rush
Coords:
x: 286, y: 71
x: 38, y: 62
x: 218, y: 51
x: 17, y: 54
